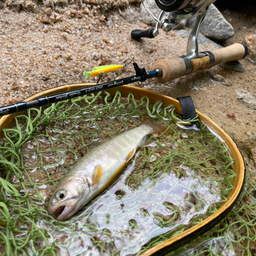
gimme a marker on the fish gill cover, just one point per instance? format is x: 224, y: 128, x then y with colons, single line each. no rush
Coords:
x: 174, y: 183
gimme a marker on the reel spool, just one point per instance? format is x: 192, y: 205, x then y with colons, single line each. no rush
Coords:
x: 180, y: 5
x: 169, y: 6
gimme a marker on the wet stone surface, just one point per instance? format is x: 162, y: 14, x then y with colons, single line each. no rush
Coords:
x: 214, y: 25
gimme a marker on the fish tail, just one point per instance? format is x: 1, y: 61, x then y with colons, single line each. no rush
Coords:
x: 155, y: 126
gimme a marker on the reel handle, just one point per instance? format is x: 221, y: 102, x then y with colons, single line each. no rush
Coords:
x: 180, y: 66
x: 138, y: 34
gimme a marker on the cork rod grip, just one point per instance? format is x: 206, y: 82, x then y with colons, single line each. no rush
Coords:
x: 179, y: 66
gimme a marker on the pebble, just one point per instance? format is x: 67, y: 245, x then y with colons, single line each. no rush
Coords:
x: 248, y: 141
x: 48, y: 3
x: 153, y: 158
x: 247, y: 98
x: 250, y: 41
x: 48, y: 11
x: 68, y: 56
x: 184, y: 136
x: 45, y: 19
x: 58, y: 17
x: 96, y: 55
x: 216, y: 78
x: 64, y: 36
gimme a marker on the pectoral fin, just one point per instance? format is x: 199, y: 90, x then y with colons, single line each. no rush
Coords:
x: 148, y: 142
x: 97, y: 175
x: 130, y: 155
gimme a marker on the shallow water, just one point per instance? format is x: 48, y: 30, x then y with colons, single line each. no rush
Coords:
x: 123, y: 220
x: 170, y: 185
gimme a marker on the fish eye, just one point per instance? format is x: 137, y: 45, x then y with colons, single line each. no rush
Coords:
x: 60, y: 194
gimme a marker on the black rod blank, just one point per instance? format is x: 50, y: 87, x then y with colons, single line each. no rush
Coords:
x: 47, y: 100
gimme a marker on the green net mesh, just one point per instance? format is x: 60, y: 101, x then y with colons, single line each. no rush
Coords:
x: 178, y: 180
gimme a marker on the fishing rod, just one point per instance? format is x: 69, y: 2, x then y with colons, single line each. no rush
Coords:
x: 141, y: 75
x: 164, y: 70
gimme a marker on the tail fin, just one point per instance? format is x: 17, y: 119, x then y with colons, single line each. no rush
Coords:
x: 155, y: 126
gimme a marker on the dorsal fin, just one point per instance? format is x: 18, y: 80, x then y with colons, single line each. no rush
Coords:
x: 155, y: 126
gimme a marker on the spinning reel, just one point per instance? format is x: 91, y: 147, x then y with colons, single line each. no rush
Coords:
x: 178, y: 10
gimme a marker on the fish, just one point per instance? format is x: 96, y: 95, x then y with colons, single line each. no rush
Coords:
x: 94, y: 172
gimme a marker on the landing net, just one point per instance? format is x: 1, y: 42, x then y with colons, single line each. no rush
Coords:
x: 177, y: 181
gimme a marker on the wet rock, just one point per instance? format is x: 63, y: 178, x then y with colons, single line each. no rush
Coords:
x: 146, y: 17
x: 201, y: 39
x: 181, y: 25
x: 233, y: 65
x: 246, y: 98
x: 129, y: 15
x: 247, y: 142
x: 250, y: 41
x: 120, y: 194
x: 214, y: 25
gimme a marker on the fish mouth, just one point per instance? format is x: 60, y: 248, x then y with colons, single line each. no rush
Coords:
x: 59, y: 210
x: 62, y: 212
